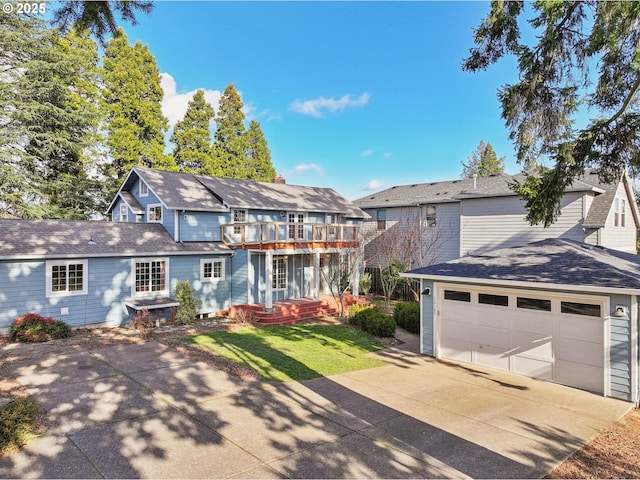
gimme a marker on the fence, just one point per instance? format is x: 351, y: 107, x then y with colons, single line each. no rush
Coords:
x: 402, y: 291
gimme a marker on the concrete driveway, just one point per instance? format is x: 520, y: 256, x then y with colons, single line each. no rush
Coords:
x: 142, y: 411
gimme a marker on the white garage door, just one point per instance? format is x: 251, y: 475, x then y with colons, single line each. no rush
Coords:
x: 560, y: 339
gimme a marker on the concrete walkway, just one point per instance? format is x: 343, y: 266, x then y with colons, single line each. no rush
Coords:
x: 145, y: 411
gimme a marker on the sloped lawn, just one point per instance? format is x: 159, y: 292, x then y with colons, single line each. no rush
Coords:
x: 295, y: 352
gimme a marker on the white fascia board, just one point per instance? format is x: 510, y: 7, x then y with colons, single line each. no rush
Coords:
x: 117, y: 195
x: 521, y: 284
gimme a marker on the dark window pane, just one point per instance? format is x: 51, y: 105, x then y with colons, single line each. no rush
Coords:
x: 587, y: 309
x: 534, y: 304
x: 489, y: 299
x: 457, y: 296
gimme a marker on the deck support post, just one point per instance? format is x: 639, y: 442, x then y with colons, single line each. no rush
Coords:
x: 268, y: 274
x: 315, y: 280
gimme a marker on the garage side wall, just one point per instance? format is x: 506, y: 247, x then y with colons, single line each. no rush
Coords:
x: 620, y: 349
x: 426, y: 312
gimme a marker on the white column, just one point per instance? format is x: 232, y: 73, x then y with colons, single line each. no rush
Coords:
x: 268, y: 280
x: 355, y: 287
x: 315, y: 280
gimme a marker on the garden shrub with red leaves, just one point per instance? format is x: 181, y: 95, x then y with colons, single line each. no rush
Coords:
x: 33, y: 327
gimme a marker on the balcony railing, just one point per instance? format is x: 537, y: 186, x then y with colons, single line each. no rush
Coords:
x: 295, y: 234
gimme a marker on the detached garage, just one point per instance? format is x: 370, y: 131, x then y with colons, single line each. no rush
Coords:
x: 555, y: 310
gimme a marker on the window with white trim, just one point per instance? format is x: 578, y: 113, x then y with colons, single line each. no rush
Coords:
x: 150, y: 276
x: 239, y: 216
x: 124, y: 213
x: 144, y: 190
x: 154, y: 213
x: 381, y: 218
x: 431, y: 216
x: 66, y: 278
x: 212, y: 270
x: 618, y: 212
x: 279, y: 274
x: 296, y: 232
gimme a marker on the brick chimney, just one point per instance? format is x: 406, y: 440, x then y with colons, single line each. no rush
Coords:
x: 279, y: 179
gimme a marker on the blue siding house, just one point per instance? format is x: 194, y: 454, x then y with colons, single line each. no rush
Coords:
x: 236, y: 241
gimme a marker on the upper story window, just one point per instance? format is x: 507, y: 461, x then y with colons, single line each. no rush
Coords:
x: 144, y: 190
x: 331, y: 218
x: 431, y: 216
x: 239, y: 216
x: 154, y: 213
x: 124, y: 213
x: 381, y: 217
x: 66, y: 278
x: 211, y: 269
x: 296, y: 231
x: 619, y: 212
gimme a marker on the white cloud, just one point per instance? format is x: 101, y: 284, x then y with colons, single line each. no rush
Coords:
x: 387, y: 155
x: 174, y: 104
x: 373, y: 185
x: 367, y: 153
x: 316, y: 106
x: 303, y: 167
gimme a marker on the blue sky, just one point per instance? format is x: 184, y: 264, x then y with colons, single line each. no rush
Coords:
x: 356, y: 96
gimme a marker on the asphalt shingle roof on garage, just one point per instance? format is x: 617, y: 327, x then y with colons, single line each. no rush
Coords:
x: 29, y: 239
x: 547, y: 262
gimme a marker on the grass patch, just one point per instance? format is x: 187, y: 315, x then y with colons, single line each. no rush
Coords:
x: 294, y: 352
x: 18, y: 423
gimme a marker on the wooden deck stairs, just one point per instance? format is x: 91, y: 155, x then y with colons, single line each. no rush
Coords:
x: 292, y: 311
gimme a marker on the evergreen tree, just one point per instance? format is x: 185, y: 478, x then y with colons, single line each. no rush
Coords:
x: 192, y: 136
x: 229, y: 141
x: 582, y: 54
x: 483, y: 162
x: 48, y: 90
x: 257, y: 155
x: 132, y: 94
x: 98, y: 16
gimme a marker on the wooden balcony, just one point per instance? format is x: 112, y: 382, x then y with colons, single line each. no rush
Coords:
x: 273, y: 235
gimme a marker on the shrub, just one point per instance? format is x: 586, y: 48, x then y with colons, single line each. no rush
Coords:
x: 407, y: 316
x: 144, y: 323
x: 33, y: 327
x: 365, y: 283
x: 354, y: 310
x: 373, y: 321
x: 189, y: 306
x: 18, y: 422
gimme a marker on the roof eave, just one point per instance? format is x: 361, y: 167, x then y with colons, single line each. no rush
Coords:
x: 523, y: 284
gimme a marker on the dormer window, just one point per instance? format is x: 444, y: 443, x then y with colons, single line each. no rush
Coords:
x: 618, y: 212
x: 124, y: 213
x: 144, y: 190
x: 154, y: 213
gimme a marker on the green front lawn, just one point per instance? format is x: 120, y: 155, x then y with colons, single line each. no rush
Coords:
x: 295, y: 352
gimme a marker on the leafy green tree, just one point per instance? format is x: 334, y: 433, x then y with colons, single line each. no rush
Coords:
x: 192, y: 136
x: 132, y: 96
x: 229, y: 141
x: 583, y: 56
x: 48, y: 96
x: 257, y: 155
x: 483, y: 162
x: 98, y: 16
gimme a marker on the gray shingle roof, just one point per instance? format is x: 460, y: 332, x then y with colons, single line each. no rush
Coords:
x: 454, y: 190
x: 180, y: 191
x: 277, y: 196
x: 185, y: 191
x: 551, y: 261
x: 23, y: 239
x: 132, y: 202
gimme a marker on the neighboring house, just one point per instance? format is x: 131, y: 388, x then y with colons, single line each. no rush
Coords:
x: 462, y: 217
x: 556, y: 310
x: 237, y: 242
